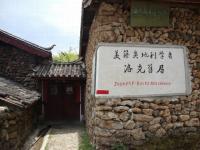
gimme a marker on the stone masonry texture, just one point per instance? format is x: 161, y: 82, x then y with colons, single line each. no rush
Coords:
x: 17, y: 65
x: 134, y: 121
x: 15, y: 123
x: 15, y: 126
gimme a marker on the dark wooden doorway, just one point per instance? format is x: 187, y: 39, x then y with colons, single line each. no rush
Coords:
x: 62, y: 101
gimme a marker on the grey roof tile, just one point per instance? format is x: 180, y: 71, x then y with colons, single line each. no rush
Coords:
x: 16, y: 94
x: 61, y: 70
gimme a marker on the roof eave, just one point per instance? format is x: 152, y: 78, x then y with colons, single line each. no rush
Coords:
x: 16, y: 42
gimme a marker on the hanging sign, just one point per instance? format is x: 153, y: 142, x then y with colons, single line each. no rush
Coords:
x: 131, y: 70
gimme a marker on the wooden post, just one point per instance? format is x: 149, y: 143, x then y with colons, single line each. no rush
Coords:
x: 44, y: 96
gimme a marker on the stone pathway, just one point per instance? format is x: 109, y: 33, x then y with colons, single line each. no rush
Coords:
x: 64, y: 137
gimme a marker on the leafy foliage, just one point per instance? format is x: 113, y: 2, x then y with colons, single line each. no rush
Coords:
x: 67, y: 56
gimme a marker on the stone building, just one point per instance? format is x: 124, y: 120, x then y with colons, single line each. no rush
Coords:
x: 19, y: 100
x: 18, y: 113
x: 133, y: 121
x: 31, y: 65
x: 19, y: 57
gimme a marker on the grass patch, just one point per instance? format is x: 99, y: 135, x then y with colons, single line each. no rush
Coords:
x: 85, y: 142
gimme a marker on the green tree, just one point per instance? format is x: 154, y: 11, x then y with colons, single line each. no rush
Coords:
x: 66, y: 56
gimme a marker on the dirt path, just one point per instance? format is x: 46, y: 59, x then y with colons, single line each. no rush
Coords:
x: 64, y: 137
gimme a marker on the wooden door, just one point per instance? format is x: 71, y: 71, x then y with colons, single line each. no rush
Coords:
x: 63, y: 101
x: 54, y: 103
x: 71, y: 101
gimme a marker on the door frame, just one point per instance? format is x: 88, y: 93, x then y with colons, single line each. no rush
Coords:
x: 45, y: 86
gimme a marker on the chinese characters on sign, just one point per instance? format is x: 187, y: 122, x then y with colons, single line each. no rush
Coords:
x: 124, y: 70
x: 140, y: 69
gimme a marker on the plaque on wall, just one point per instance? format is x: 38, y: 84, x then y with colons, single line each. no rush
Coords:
x: 149, y: 14
x: 138, y: 70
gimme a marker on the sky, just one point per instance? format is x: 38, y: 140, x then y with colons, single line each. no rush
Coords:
x: 43, y: 22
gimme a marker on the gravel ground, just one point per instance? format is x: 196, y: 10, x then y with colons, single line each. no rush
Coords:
x: 64, y: 137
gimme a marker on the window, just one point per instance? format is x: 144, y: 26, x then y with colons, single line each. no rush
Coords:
x: 69, y: 90
x: 53, y: 90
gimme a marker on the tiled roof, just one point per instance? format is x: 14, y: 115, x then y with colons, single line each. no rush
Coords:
x: 15, y: 94
x: 25, y: 45
x: 61, y: 70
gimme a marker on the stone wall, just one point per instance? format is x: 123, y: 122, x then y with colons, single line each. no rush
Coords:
x: 134, y: 121
x: 15, y: 126
x: 16, y: 64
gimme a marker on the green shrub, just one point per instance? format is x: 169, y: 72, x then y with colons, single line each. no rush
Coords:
x: 119, y: 146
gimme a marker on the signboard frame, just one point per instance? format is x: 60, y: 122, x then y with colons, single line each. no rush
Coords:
x: 149, y: 14
x: 186, y: 65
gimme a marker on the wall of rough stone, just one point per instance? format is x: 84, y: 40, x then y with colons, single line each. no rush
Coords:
x: 16, y: 64
x: 134, y: 121
x: 15, y: 126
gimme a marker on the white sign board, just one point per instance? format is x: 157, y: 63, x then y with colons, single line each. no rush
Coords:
x: 137, y: 70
